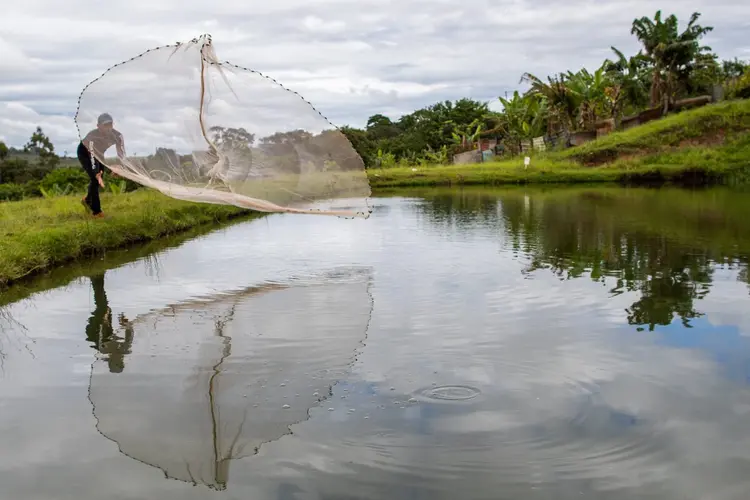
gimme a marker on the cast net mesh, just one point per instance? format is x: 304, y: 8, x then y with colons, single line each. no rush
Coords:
x: 202, y: 130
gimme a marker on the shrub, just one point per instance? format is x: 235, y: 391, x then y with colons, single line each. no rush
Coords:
x: 11, y: 192
x: 740, y: 88
x: 31, y: 189
x: 65, y: 176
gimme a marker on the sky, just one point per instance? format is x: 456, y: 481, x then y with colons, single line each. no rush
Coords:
x: 349, y: 59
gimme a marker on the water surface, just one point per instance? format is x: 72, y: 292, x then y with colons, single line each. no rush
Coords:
x: 518, y: 343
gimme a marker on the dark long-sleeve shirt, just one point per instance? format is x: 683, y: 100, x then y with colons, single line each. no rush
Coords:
x: 101, y: 141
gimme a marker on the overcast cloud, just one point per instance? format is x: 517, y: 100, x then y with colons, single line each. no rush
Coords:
x: 351, y: 59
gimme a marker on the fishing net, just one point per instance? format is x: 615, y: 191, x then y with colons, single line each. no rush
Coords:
x: 202, y: 130
x: 208, y: 381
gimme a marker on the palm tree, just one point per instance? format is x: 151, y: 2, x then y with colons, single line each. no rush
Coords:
x: 669, y: 51
x: 626, y: 83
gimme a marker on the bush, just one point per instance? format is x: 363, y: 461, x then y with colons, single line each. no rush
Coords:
x: 65, y: 176
x: 31, y: 189
x: 11, y: 192
x: 15, y: 170
x: 111, y: 180
x: 740, y: 88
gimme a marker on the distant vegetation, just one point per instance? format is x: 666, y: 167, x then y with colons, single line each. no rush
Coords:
x: 672, y: 64
x: 708, y: 145
x: 36, y: 170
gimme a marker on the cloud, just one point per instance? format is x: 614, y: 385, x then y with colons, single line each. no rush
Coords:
x: 350, y: 59
x: 717, y: 305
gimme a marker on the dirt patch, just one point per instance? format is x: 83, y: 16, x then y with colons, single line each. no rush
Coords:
x: 605, y: 156
x: 713, y: 138
x: 631, y: 156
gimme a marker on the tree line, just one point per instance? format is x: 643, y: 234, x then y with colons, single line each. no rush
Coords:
x: 671, y: 64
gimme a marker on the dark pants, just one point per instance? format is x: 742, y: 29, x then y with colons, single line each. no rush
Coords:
x: 92, y: 197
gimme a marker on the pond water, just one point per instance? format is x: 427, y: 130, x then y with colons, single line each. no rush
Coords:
x: 560, y: 343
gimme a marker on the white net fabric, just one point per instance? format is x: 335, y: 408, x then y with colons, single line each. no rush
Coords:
x: 211, y: 380
x: 198, y: 129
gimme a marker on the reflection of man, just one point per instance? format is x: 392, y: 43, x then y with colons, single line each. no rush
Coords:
x: 99, y: 329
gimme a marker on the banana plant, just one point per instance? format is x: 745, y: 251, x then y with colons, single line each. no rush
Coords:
x: 626, y: 83
x: 669, y: 51
x: 561, y: 99
x: 431, y: 157
x: 385, y: 159
x: 465, y: 138
x: 56, y: 190
x: 590, y: 97
x: 117, y: 187
x: 524, y: 117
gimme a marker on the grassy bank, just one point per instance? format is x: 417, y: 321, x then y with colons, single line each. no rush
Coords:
x: 706, y: 145
x: 38, y: 234
x: 63, y: 275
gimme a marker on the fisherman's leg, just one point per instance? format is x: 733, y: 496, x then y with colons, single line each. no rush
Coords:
x: 85, y: 160
x: 92, y: 197
x: 94, y: 200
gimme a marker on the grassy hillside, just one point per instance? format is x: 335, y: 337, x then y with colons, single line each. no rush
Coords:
x: 705, y: 145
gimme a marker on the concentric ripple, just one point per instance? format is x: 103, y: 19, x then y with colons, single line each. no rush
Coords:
x: 448, y: 393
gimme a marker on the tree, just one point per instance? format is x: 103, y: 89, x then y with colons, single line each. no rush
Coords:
x: 523, y: 118
x: 626, y: 83
x: 362, y: 143
x: 168, y: 157
x: 701, y: 75
x: 734, y: 68
x: 293, y: 137
x: 235, y: 138
x: 40, y: 144
x: 670, y: 52
x: 561, y: 99
x: 18, y: 171
x: 465, y: 136
x: 381, y: 127
x: 4, y: 151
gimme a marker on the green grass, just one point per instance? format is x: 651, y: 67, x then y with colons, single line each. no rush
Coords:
x: 38, y: 234
x: 63, y: 275
x: 705, y: 145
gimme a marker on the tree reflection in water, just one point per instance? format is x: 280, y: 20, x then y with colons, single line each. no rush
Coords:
x: 663, y: 243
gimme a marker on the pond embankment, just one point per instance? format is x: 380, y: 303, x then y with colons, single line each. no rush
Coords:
x: 41, y: 233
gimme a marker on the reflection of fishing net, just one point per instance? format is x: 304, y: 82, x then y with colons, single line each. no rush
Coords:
x: 211, y: 380
x: 208, y: 131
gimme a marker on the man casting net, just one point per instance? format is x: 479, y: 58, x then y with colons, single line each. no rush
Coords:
x: 207, y: 131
